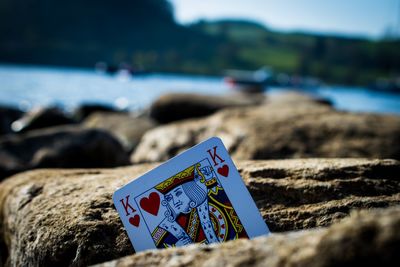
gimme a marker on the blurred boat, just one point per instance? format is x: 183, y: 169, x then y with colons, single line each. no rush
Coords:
x: 123, y: 69
x: 248, y: 81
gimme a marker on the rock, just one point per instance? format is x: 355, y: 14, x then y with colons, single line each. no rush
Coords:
x: 70, y: 219
x: 306, y: 193
x: 126, y: 128
x: 86, y: 109
x: 66, y: 217
x: 179, y: 106
x: 289, y: 126
x: 41, y: 118
x: 58, y: 147
x: 364, y: 239
x: 7, y: 116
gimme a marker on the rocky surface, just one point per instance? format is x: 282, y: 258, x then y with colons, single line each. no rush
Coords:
x: 7, y: 116
x: 364, y: 239
x: 63, y: 217
x: 178, y: 106
x: 123, y: 126
x: 58, y: 147
x: 306, y: 193
x: 288, y: 126
x: 41, y: 118
x: 66, y: 217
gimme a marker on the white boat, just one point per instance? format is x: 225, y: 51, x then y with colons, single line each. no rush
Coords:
x: 248, y: 81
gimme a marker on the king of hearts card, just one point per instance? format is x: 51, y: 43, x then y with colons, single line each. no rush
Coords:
x: 196, y: 197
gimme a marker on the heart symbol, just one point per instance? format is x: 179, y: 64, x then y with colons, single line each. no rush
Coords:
x: 224, y: 170
x: 151, y: 204
x: 135, y: 220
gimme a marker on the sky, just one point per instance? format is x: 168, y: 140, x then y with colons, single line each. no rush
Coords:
x: 368, y: 18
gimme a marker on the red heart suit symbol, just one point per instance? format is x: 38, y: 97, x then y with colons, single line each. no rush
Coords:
x: 151, y: 204
x: 224, y: 170
x: 135, y: 220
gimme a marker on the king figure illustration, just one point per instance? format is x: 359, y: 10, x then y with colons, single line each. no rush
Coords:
x: 198, y: 209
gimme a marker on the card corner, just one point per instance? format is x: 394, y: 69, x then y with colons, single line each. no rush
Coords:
x: 216, y: 139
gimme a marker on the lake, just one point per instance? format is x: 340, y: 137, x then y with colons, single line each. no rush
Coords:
x: 29, y: 86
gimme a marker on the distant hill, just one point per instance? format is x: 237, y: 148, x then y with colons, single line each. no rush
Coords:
x: 76, y: 32
x: 335, y: 59
x: 145, y: 34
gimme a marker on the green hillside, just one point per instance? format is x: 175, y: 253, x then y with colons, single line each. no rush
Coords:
x: 332, y: 58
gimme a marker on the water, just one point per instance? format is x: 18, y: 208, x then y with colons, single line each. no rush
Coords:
x: 27, y: 87
x: 30, y: 86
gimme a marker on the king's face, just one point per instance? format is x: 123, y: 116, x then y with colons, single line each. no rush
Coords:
x: 178, y: 200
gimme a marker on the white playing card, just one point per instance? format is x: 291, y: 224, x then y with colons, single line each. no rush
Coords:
x: 195, y: 197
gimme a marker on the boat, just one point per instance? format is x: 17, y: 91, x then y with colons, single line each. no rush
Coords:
x: 123, y: 70
x: 248, y: 81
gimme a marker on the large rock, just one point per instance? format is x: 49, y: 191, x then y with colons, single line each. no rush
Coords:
x: 66, y: 217
x: 365, y: 239
x: 7, y: 116
x: 290, y: 126
x: 41, y: 118
x: 57, y: 147
x: 306, y: 193
x: 123, y: 126
x: 179, y: 106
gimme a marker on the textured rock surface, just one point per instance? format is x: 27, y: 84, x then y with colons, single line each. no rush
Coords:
x: 63, y: 217
x: 364, y: 239
x: 289, y: 126
x: 306, y: 193
x: 57, y: 147
x: 66, y: 217
x: 179, y: 106
x: 41, y: 118
x: 126, y: 128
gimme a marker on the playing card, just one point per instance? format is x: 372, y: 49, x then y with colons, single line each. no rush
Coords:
x: 195, y: 197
